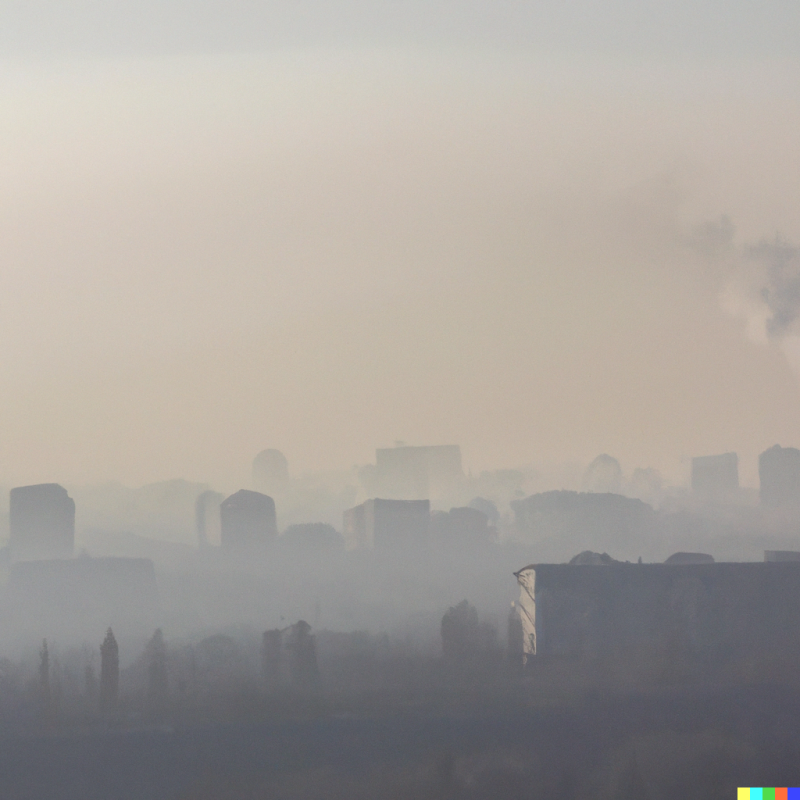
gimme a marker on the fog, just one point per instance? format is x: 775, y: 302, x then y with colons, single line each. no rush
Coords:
x: 320, y: 323
x: 327, y: 250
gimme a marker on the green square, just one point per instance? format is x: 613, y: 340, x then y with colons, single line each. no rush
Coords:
x: 768, y: 794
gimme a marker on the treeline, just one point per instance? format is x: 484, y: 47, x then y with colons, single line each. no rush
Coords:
x: 246, y: 674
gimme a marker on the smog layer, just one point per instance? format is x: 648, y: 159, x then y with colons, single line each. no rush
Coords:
x: 399, y: 400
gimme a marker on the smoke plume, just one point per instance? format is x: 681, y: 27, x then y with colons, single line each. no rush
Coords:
x: 761, y: 284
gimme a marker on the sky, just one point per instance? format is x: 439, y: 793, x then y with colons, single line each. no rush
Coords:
x: 539, y: 230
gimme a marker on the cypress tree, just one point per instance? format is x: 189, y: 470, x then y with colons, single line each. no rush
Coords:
x: 109, y: 672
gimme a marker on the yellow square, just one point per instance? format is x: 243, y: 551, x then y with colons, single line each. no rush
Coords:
x: 743, y: 794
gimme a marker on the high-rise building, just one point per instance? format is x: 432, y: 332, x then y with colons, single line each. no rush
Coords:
x: 779, y: 475
x: 386, y: 524
x: 42, y: 522
x: 270, y: 472
x: 247, y: 521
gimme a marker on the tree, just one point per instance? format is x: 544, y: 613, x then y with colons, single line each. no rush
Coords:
x: 303, y: 648
x: 157, y: 681
x: 109, y: 672
x: 460, y: 632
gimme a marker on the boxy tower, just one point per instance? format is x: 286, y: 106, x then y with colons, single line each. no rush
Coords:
x: 779, y: 473
x: 248, y: 522
x: 42, y: 522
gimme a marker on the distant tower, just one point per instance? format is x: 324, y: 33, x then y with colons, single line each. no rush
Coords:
x: 42, y: 522
x: 779, y: 474
x: 387, y: 524
x: 248, y: 521
x: 270, y: 472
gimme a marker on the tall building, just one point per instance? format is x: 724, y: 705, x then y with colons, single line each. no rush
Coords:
x: 387, y: 524
x: 715, y: 479
x: 247, y: 521
x: 417, y: 473
x: 779, y: 475
x: 42, y: 522
x: 270, y: 472
x: 711, y: 612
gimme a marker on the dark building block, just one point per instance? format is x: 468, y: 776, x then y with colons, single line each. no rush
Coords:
x: 716, y: 611
x: 247, y: 521
x: 42, y: 522
x: 779, y: 474
x: 270, y: 471
x: 383, y: 524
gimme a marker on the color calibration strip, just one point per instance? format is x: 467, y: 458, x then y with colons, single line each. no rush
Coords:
x: 769, y: 794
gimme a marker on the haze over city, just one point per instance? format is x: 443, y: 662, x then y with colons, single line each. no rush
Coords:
x: 399, y: 400
x: 225, y: 230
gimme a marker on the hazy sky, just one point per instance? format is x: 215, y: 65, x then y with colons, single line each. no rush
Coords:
x: 323, y: 227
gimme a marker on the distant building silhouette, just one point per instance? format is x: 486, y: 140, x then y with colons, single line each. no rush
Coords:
x: 715, y: 479
x: 247, y: 521
x: 585, y: 520
x: 417, y: 473
x: 312, y: 536
x: 690, y: 558
x: 207, y: 518
x: 461, y: 527
x: 386, y: 524
x: 779, y: 475
x: 270, y: 472
x: 782, y: 555
x: 713, y: 613
x: 604, y: 474
x: 42, y: 522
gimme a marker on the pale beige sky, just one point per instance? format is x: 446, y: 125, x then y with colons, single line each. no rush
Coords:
x: 327, y: 250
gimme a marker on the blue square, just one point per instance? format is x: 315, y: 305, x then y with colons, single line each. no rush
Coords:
x: 793, y: 793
